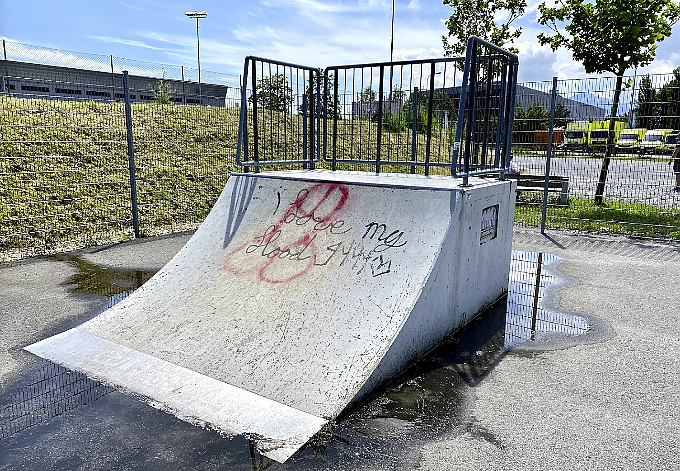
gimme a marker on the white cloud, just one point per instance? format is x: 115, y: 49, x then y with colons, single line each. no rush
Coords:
x: 127, y: 42
x: 414, y: 5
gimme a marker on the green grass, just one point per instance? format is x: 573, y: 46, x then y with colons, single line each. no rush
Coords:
x: 631, y: 219
x: 64, y: 178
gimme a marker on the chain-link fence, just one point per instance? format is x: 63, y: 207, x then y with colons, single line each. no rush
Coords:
x: 65, y: 171
x: 602, y: 178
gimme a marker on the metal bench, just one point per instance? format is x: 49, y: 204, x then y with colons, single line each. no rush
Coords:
x: 556, y: 184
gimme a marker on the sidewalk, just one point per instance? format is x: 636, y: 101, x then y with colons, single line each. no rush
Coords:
x: 612, y: 404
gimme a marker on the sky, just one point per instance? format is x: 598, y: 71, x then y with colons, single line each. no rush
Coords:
x: 317, y: 33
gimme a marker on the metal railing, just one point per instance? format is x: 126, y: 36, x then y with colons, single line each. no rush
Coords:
x: 408, y: 113
x: 280, y: 114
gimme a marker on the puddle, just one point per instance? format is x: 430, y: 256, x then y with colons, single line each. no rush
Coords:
x: 103, y: 281
x: 431, y: 399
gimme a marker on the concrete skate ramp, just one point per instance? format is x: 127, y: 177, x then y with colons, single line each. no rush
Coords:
x: 300, y: 294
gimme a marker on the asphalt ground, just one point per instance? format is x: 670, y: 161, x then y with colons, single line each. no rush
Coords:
x: 611, y: 401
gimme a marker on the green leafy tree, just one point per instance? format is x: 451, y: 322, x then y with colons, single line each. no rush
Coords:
x: 535, y: 117
x: 479, y: 18
x: 608, y: 36
x: 398, y: 94
x: 562, y: 116
x: 669, y: 103
x: 647, y: 109
x: 162, y: 93
x: 367, y: 95
x: 333, y: 106
x: 274, y: 93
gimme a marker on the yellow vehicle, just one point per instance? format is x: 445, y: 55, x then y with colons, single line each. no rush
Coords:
x: 654, y: 141
x: 598, y: 137
x: 629, y: 140
x: 577, y: 134
x: 671, y: 142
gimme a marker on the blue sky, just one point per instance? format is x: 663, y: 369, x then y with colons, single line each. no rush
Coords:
x: 309, y: 32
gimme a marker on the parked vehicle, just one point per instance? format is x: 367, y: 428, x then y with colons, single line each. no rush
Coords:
x: 629, y: 140
x: 577, y: 134
x: 541, y: 138
x: 654, y: 140
x: 598, y: 137
x: 671, y: 142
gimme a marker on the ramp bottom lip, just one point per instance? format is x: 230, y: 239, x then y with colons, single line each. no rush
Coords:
x: 193, y: 397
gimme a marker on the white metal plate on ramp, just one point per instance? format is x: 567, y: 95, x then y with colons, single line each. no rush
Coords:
x: 280, y: 311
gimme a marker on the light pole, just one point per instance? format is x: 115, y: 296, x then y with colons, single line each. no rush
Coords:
x: 197, y: 15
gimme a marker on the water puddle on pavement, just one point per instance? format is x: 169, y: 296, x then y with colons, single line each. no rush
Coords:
x: 104, y: 281
x: 431, y: 399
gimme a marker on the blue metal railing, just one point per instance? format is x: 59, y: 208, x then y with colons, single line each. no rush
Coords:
x: 454, y: 113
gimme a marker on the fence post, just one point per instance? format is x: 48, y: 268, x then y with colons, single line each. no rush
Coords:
x: 380, y: 119
x: 4, y: 55
x: 131, y: 154
x: 113, y: 81
x: 184, y: 90
x: 430, y: 106
x: 553, y: 97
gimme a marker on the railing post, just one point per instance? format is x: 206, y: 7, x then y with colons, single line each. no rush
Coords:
x: 256, y: 154
x: 380, y: 119
x: 335, y: 116
x: 414, y: 141
x: 430, y: 107
x: 553, y: 97
x: 305, y: 110
x: 472, y: 108
x: 131, y: 154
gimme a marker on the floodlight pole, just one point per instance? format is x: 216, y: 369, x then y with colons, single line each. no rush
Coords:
x: 197, y: 15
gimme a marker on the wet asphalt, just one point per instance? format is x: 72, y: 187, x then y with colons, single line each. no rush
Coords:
x: 609, y: 401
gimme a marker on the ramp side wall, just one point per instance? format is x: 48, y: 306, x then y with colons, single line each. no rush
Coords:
x: 470, y: 274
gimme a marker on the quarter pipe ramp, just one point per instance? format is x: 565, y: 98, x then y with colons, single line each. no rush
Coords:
x: 301, y: 292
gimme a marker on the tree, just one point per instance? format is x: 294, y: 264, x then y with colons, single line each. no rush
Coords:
x: 562, y: 116
x: 333, y: 106
x: 526, y: 121
x: 398, y: 94
x: 162, y: 93
x: 479, y: 18
x: 608, y: 36
x: 274, y: 93
x: 367, y: 95
x: 646, y: 111
x: 669, y: 103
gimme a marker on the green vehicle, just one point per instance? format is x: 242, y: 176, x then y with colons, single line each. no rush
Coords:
x: 629, y: 140
x: 598, y: 137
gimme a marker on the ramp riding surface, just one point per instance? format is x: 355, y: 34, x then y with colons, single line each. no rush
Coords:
x: 300, y: 294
